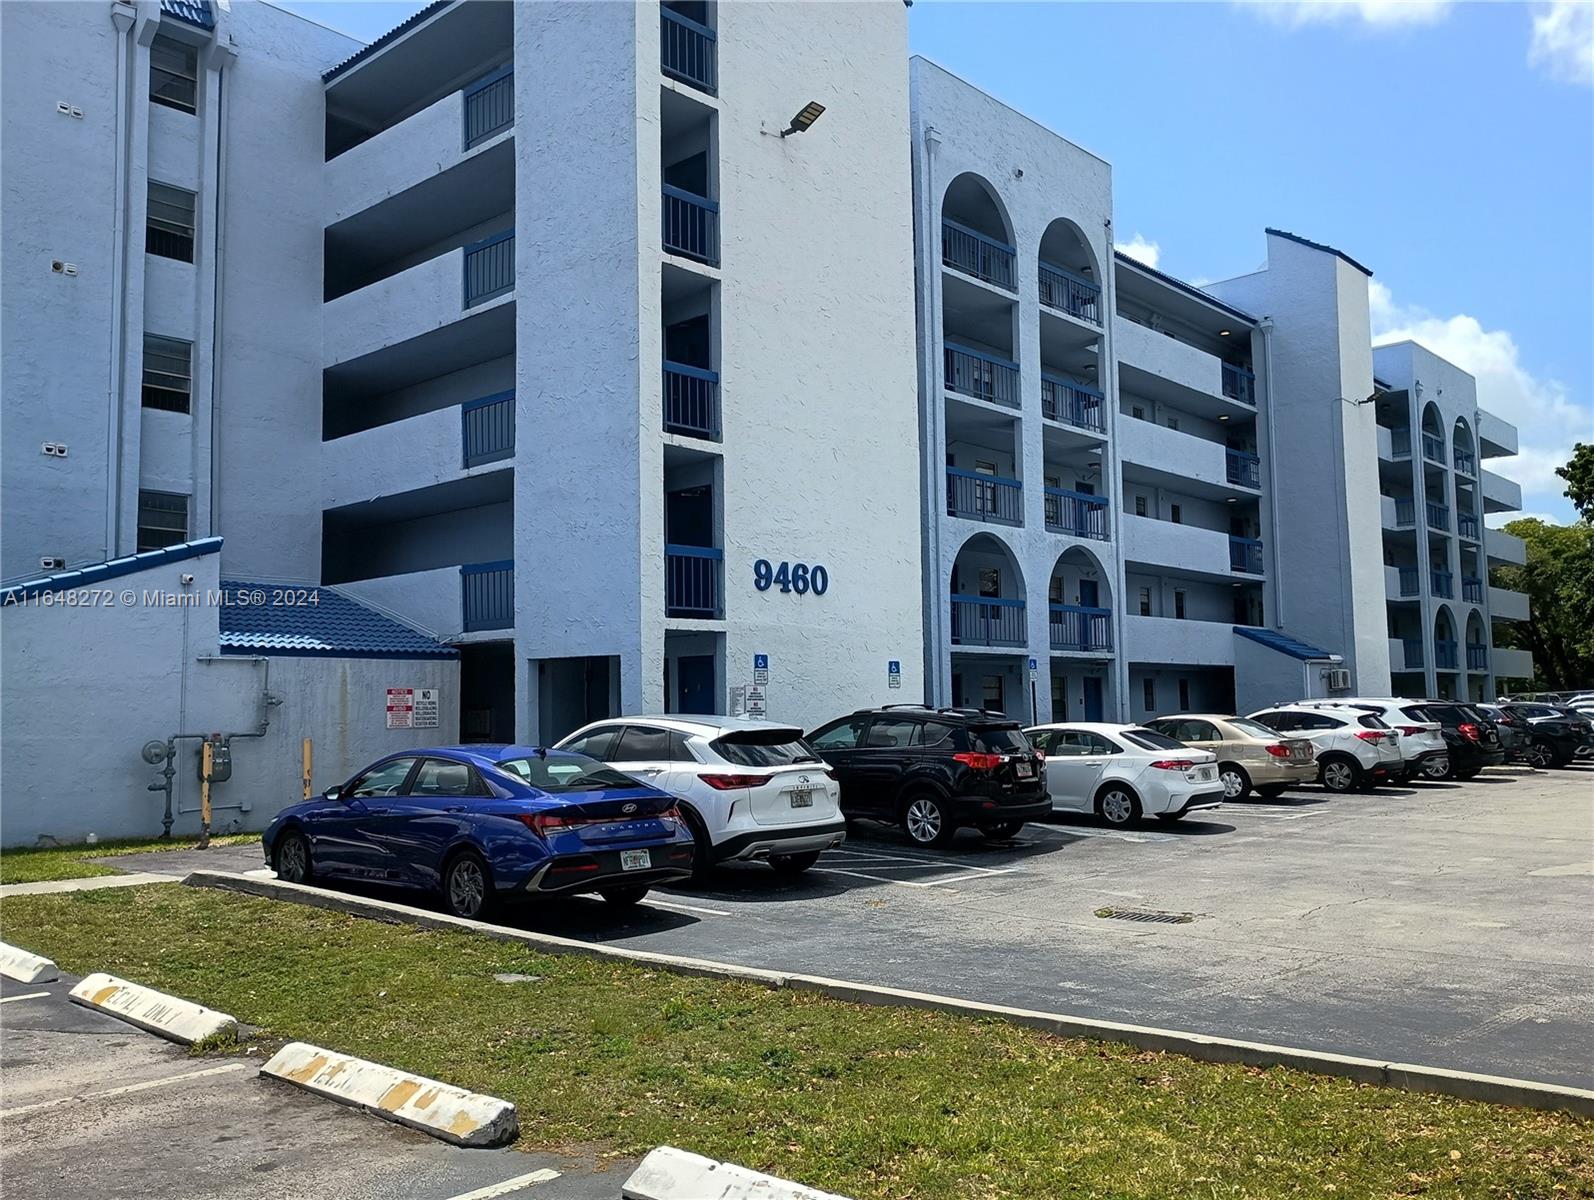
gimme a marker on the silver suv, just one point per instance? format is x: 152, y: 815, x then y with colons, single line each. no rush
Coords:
x: 1356, y: 751
x: 1422, y: 742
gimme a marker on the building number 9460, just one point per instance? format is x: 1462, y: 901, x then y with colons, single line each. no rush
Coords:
x: 791, y: 577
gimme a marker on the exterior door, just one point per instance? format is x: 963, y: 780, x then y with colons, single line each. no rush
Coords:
x: 643, y: 753
x: 838, y: 744
x: 1089, y: 594
x: 1073, y: 769
x: 345, y: 840
x: 888, y: 750
x: 694, y: 683
x: 1093, y: 705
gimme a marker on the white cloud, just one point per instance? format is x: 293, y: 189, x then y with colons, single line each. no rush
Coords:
x: 1547, y: 419
x: 1563, y: 40
x: 1378, y: 14
x: 1140, y: 250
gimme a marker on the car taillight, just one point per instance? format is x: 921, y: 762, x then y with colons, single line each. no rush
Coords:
x: 1370, y: 735
x: 1278, y: 750
x: 726, y: 783
x: 1411, y: 730
x: 978, y: 762
x: 831, y: 771
x: 1173, y: 764
x: 1469, y: 731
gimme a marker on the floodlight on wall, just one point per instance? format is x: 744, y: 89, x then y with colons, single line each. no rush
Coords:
x: 806, y: 116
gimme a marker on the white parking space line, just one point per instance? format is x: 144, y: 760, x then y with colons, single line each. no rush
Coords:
x: 509, y: 1185
x: 23, y: 996
x: 911, y: 860
x: 123, y: 1091
x: 1118, y: 835
x: 1272, y: 814
x: 691, y: 908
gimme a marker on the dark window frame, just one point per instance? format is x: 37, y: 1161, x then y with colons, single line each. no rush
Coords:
x: 144, y: 497
x: 165, y: 234
x: 166, y: 390
x: 174, y: 74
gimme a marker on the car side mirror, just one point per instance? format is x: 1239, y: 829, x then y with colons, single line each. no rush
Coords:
x: 334, y: 792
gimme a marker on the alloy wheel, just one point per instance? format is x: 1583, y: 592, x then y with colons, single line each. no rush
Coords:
x: 1436, y: 768
x: 924, y: 820
x: 466, y: 887
x: 293, y: 860
x: 1338, y: 777
x: 1117, y: 807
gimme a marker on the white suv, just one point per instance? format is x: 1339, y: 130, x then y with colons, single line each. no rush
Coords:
x: 749, y: 790
x: 1422, y: 742
x: 1356, y: 751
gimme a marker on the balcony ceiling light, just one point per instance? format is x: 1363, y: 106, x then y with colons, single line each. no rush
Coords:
x: 1223, y: 416
x: 801, y: 123
x: 1233, y: 500
x: 1223, y: 333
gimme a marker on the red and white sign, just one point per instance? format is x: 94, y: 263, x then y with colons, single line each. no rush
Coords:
x: 412, y: 708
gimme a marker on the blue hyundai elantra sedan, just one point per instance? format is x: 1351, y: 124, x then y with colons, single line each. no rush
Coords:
x: 486, y: 824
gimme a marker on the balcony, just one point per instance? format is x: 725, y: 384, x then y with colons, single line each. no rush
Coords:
x: 1438, y: 516
x: 687, y: 51
x: 1405, y: 654
x: 1399, y: 512
x: 1245, y: 555
x: 1477, y: 657
x: 489, y: 429
x: 1175, y: 459
x: 1162, y: 367
x: 418, y: 452
x: 1180, y: 547
x: 691, y: 226
x: 1078, y: 514
x: 1078, y: 628
x: 489, y: 268
x: 1465, y: 462
x: 1507, y: 605
x: 981, y: 376
x: 1433, y: 448
x: 1166, y: 640
x: 1239, y: 384
x: 973, y: 253
x: 1400, y: 442
x: 1468, y: 526
x: 1511, y: 664
x: 1472, y: 590
x: 1443, y: 583
x: 691, y: 400
x: 489, y: 107
x: 487, y: 596
x: 1445, y: 656
x: 1071, y: 403
x: 988, y: 621
x: 1500, y: 494
x: 1063, y: 291
x: 1401, y: 582
x: 692, y: 582
x: 1244, y: 470
x: 988, y: 498
x: 430, y: 600
x: 1496, y: 438
x: 1502, y: 547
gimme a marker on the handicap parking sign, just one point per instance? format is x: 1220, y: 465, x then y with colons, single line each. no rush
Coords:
x: 760, y: 662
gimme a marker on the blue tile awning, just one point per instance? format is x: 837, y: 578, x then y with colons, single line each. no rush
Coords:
x: 1285, y: 644
x: 322, y: 622
x: 83, y: 577
x: 194, y: 12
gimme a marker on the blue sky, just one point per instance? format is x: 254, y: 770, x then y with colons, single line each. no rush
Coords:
x: 1450, y: 147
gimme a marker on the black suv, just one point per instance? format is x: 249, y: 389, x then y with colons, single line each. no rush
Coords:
x: 1554, y: 737
x: 935, y: 770
x: 1471, y: 738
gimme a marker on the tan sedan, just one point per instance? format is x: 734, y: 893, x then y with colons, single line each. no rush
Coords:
x: 1250, y: 755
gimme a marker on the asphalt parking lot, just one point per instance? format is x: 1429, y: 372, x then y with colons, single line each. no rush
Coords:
x: 94, y: 1108
x: 1446, y: 924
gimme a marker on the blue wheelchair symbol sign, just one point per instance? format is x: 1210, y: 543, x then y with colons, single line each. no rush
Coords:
x: 760, y: 662
x: 893, y: 667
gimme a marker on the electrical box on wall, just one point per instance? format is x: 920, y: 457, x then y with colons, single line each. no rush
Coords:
x: 220, y: 762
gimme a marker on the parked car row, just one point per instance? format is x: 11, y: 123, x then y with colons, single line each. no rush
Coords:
x: 629, y: 802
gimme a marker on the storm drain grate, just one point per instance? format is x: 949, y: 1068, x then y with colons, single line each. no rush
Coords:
x: 1148, y: 916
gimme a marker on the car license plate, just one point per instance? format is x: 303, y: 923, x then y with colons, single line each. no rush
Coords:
x: 802, y: 798
x: 635, y: 860
x: 1025, y: 770
x: 1206, y: 774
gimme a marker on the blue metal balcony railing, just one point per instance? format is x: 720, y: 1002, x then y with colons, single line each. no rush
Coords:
x: 1477, y: 657
x: 1239, y: 384
x: 1080, y: 514
x: 984, y: 497
x: 983, y: 376
x: 488, y: 595
x: 1433, y: 448
x: 1472, y: 590
x: 1466, y: 462
x: 692, y: 581
x: 1243, y: 468
x: 1443, y: 583
x: 687, y: 51
x: 974, y: 253
x: 1070, y: 293
x: 1400, y: 442
x: 1075, y: 627
x: 1438, y: 516
x: 1245, y: 555
x: 987, y: 621
x: 1405, y: 510
x: 691, y: 401
x: 1072, y: 403
x: 489, y: 106
x: 691, y: 225
x: 1467, y: 526
x: 490, y: 268
x: 1411, y: 652
x: 1444, y: 655
x: 488, y: 428
x: 1410, y: 584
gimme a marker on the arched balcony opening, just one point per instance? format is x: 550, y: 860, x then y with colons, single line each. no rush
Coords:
x: 1433, y: 435
x: 1477, y: 643
x: 987, y: 595
x: 1070, y: 276
x: 976, y: 235
x: 1446, y: 652
x: 1079, y: 603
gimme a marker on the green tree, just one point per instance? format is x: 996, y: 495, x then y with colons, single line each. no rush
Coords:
x: 1559, y: 582
x: 1579, y: 476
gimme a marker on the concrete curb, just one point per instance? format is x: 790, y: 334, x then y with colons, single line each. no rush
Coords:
x: 440, y: 1109
x: 1464, y: 1085
x: 671, y: 1174
x: 16, y: 963
x: 172, y: 1018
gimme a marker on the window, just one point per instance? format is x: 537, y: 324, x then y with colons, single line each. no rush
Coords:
x: 162, y: 521
x: 843, y: 735
x: 1148, y: 739
x: 598, y: 744
x: 760, y: 748
x: 1178, y: 607
x: 1140, y: 506
x: 1077, y: 743
x: 438, y: 777
x: 641, y: 743
x: 564, y: 773
x: 1137, y: 412
x: 1145, y: 602
x: 1150, y: 688
x: 1279, y: 722
x: 383, y: 780
x: 1184, y: 684
x: 991, y: 582
x: 890, y: 733
x: 1176, y: 514
x: 173, y: 74
x: 1187, y: 731
x: 169, y: 222
x: 1254, y: 728
x: 1173, y: 423
x: 998, y: 739
x: 934, y: 733
x: 991, y: 693
x: 168, y: 373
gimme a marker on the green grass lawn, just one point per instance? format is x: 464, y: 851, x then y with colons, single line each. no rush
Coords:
x: 868, y: 1102
x: 36, y: 864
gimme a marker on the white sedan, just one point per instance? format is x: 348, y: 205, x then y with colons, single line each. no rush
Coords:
x: 750, y: 791
x: 1124, y: 772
